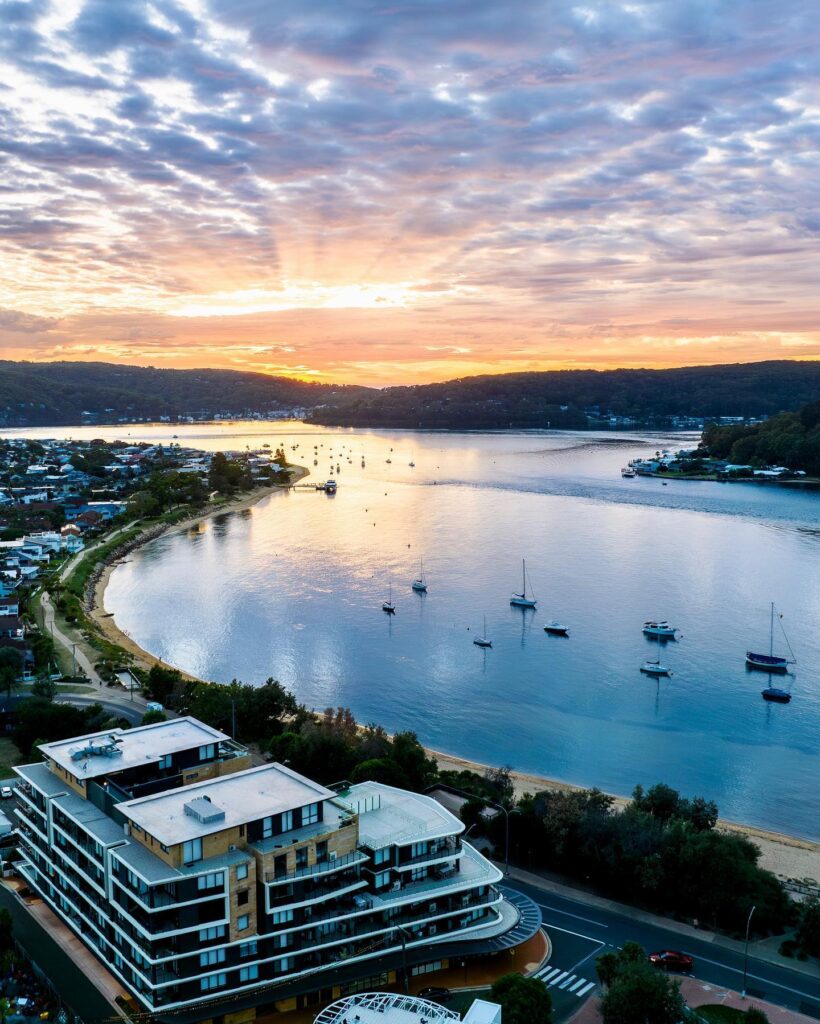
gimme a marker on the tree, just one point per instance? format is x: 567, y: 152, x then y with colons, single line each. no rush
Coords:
x: 162, y: 682
x: 523, y: 1000
x: 808, y: 931
x: 11, y: 668
x: 639, y: 994
x: 6, y: 929
x: 153, y: 716
x: 44, y: 686
x: 755, y: 1016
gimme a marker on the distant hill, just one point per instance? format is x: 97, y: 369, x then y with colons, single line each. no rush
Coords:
x: 569, y: 398
x: 52, y: 394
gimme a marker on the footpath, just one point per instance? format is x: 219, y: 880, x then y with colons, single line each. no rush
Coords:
x: 758, y: 950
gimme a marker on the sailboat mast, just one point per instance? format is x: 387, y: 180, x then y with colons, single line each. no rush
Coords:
x: 771, y: 632
x: 523, y: 578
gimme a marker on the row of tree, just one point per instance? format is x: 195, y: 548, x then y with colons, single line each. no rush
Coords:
x: 791, y: 439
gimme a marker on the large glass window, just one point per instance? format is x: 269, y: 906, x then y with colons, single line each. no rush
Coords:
x: 211, y: 880
x: 382, y: 879
x: 310, y: 814
x: 267, y: 828
x: 192, y: 851
x: 282, y: 916
x: 247, y: 948
x: 241, y: 872
x: 287, y: 821
x: 211, y: 957
x: 249, y: 973
x: 381, y: 856
x: 214, y: 981
x: 207, y: 752
x: 216, y: 931
x: 418, y: 849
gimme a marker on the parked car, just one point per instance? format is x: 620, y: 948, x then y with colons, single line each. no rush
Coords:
x: 6, y: 792
x: 436, y: 994
x: 672, y: 960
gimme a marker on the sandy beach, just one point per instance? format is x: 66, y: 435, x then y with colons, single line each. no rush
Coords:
x: 789, y: 857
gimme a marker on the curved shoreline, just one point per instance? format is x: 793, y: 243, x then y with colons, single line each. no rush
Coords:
x: 790, y: 857
x: 95, y: 604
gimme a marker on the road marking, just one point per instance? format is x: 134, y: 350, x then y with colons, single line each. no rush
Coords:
x: 571, y: 978
x: 578, y: 935
x: 585, y: 989
x: 548, y: 972
x: 578, y: 917
x: 577, y: 984
x: 589, y: 956
x: 559, y: 978
x: 756, y: 977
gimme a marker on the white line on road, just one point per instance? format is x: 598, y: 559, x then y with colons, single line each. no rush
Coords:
x: 571, y: 978
x: 756, y: 977
x: 585, y: 989
x: 566, y: 913
x: 577, y: 984
x: 559, y: 978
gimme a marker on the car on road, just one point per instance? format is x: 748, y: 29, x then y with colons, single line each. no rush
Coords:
x: 6, y: 792
x: 672, y: 960
x: 436, y: 994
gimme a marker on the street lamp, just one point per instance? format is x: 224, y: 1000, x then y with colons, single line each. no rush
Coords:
x: 746, y: 951
x: 403, y: 937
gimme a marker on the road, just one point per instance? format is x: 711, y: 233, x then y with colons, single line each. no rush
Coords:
x: 580, y: 932
x: 50, y: 626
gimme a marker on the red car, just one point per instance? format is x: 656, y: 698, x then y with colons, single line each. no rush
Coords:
x: 672, y: 960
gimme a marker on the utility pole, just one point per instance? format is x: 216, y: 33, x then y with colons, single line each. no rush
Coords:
x: 746, y: 951
x: 73, y: 659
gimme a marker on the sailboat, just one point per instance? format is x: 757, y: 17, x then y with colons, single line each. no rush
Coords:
x: 420, y: 584
x: 654, y: 668
x: 388, y: 605
x: 771, y: 662
x: 482, y: 641
x: 521, y: 600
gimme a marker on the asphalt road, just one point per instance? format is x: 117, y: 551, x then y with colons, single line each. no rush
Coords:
x: 580, y: 932
x: 120, y: 708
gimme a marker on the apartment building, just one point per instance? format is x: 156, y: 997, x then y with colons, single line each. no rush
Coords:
x: 211, y: 887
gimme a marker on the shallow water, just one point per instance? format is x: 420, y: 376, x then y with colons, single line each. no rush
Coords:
x: 293, y: 589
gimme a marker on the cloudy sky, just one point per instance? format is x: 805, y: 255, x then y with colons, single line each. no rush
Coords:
x: 387, y: 191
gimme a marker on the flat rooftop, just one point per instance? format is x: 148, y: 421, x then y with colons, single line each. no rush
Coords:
x: 243, y: 797
x: 390, y: 816
x: 115, y: 750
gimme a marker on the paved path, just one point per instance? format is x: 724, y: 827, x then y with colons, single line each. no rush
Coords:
x: 50, y: 626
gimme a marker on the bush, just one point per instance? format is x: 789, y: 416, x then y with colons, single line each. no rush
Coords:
x: 522, y: 1000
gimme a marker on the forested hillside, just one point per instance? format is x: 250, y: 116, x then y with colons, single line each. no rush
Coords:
x: 536, y: 399
x: 791, y: 439
x: 33, y: 394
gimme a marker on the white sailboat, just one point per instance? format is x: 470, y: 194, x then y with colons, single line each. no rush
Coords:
x: 388, y: 605
x: 420, y: 584
x: 521, y: 600
x: 483, y: 641
x: 654, y: 668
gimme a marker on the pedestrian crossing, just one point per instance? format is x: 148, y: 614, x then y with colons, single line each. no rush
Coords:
x: 564, y: 981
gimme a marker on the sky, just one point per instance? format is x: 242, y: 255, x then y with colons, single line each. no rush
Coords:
x: 400, y: 191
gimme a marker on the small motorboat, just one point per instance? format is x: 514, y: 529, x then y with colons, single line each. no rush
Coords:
x: 483, y: 641
x: 654, y: 668
x: 775, y: 694
x: 556, y: 629
x: 628, y: 473
x: 660, y: 630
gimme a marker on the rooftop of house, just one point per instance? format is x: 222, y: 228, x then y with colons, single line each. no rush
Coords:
x: 204, y: 808
x: 389, y: 816
x: 115, y: 750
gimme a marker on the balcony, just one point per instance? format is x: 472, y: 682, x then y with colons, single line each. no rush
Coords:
x: 326, y: 867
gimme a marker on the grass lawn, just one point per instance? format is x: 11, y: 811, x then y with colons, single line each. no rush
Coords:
x: 716, y: 1014
x: 9, y: 755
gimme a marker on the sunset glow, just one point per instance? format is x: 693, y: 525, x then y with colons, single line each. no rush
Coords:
x: 357, y: 191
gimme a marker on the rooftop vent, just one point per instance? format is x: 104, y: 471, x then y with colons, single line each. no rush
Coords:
x: 102, y: 748
x: 204, y: 810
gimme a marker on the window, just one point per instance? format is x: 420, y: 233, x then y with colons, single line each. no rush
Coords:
x: 287, y: 821
x: 301, y: 857
x: 243, y: 922
x: 382, y: 879
x: 249, y: 973
x: 247, y: 948
x: 192, y: 851
x: 417, y: 849
x: 165, y: 762
x: 211, y: 880
x: 417, y: 874
x: 267, y: 828
x: 241, y: 872
x: 214, y: 932
x: 436, y: 965
x: 381, y: 856
x: 285, y: 964
x: 282, y: 916
x: 211, y: 957
x: 214, y: 981
x: 310, y: 814
x: 283, y: 940
x: 242, y: 898
x: 206, y: 753
x: 321, y: 852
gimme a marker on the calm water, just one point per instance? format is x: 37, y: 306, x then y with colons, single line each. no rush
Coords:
x: 293, y: 589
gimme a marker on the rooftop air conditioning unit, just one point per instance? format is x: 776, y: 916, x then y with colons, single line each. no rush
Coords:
x: 395, y: 887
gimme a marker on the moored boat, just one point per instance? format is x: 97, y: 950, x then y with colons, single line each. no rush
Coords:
x: 556, y: 629
x: 420, y: 583
x: 522, y: 600
x: 654, y: 668
x: 775, y: 694
x: 660, y: 630
x: 483, y: 640
x: 771, y: 662
x: 388, y: 605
